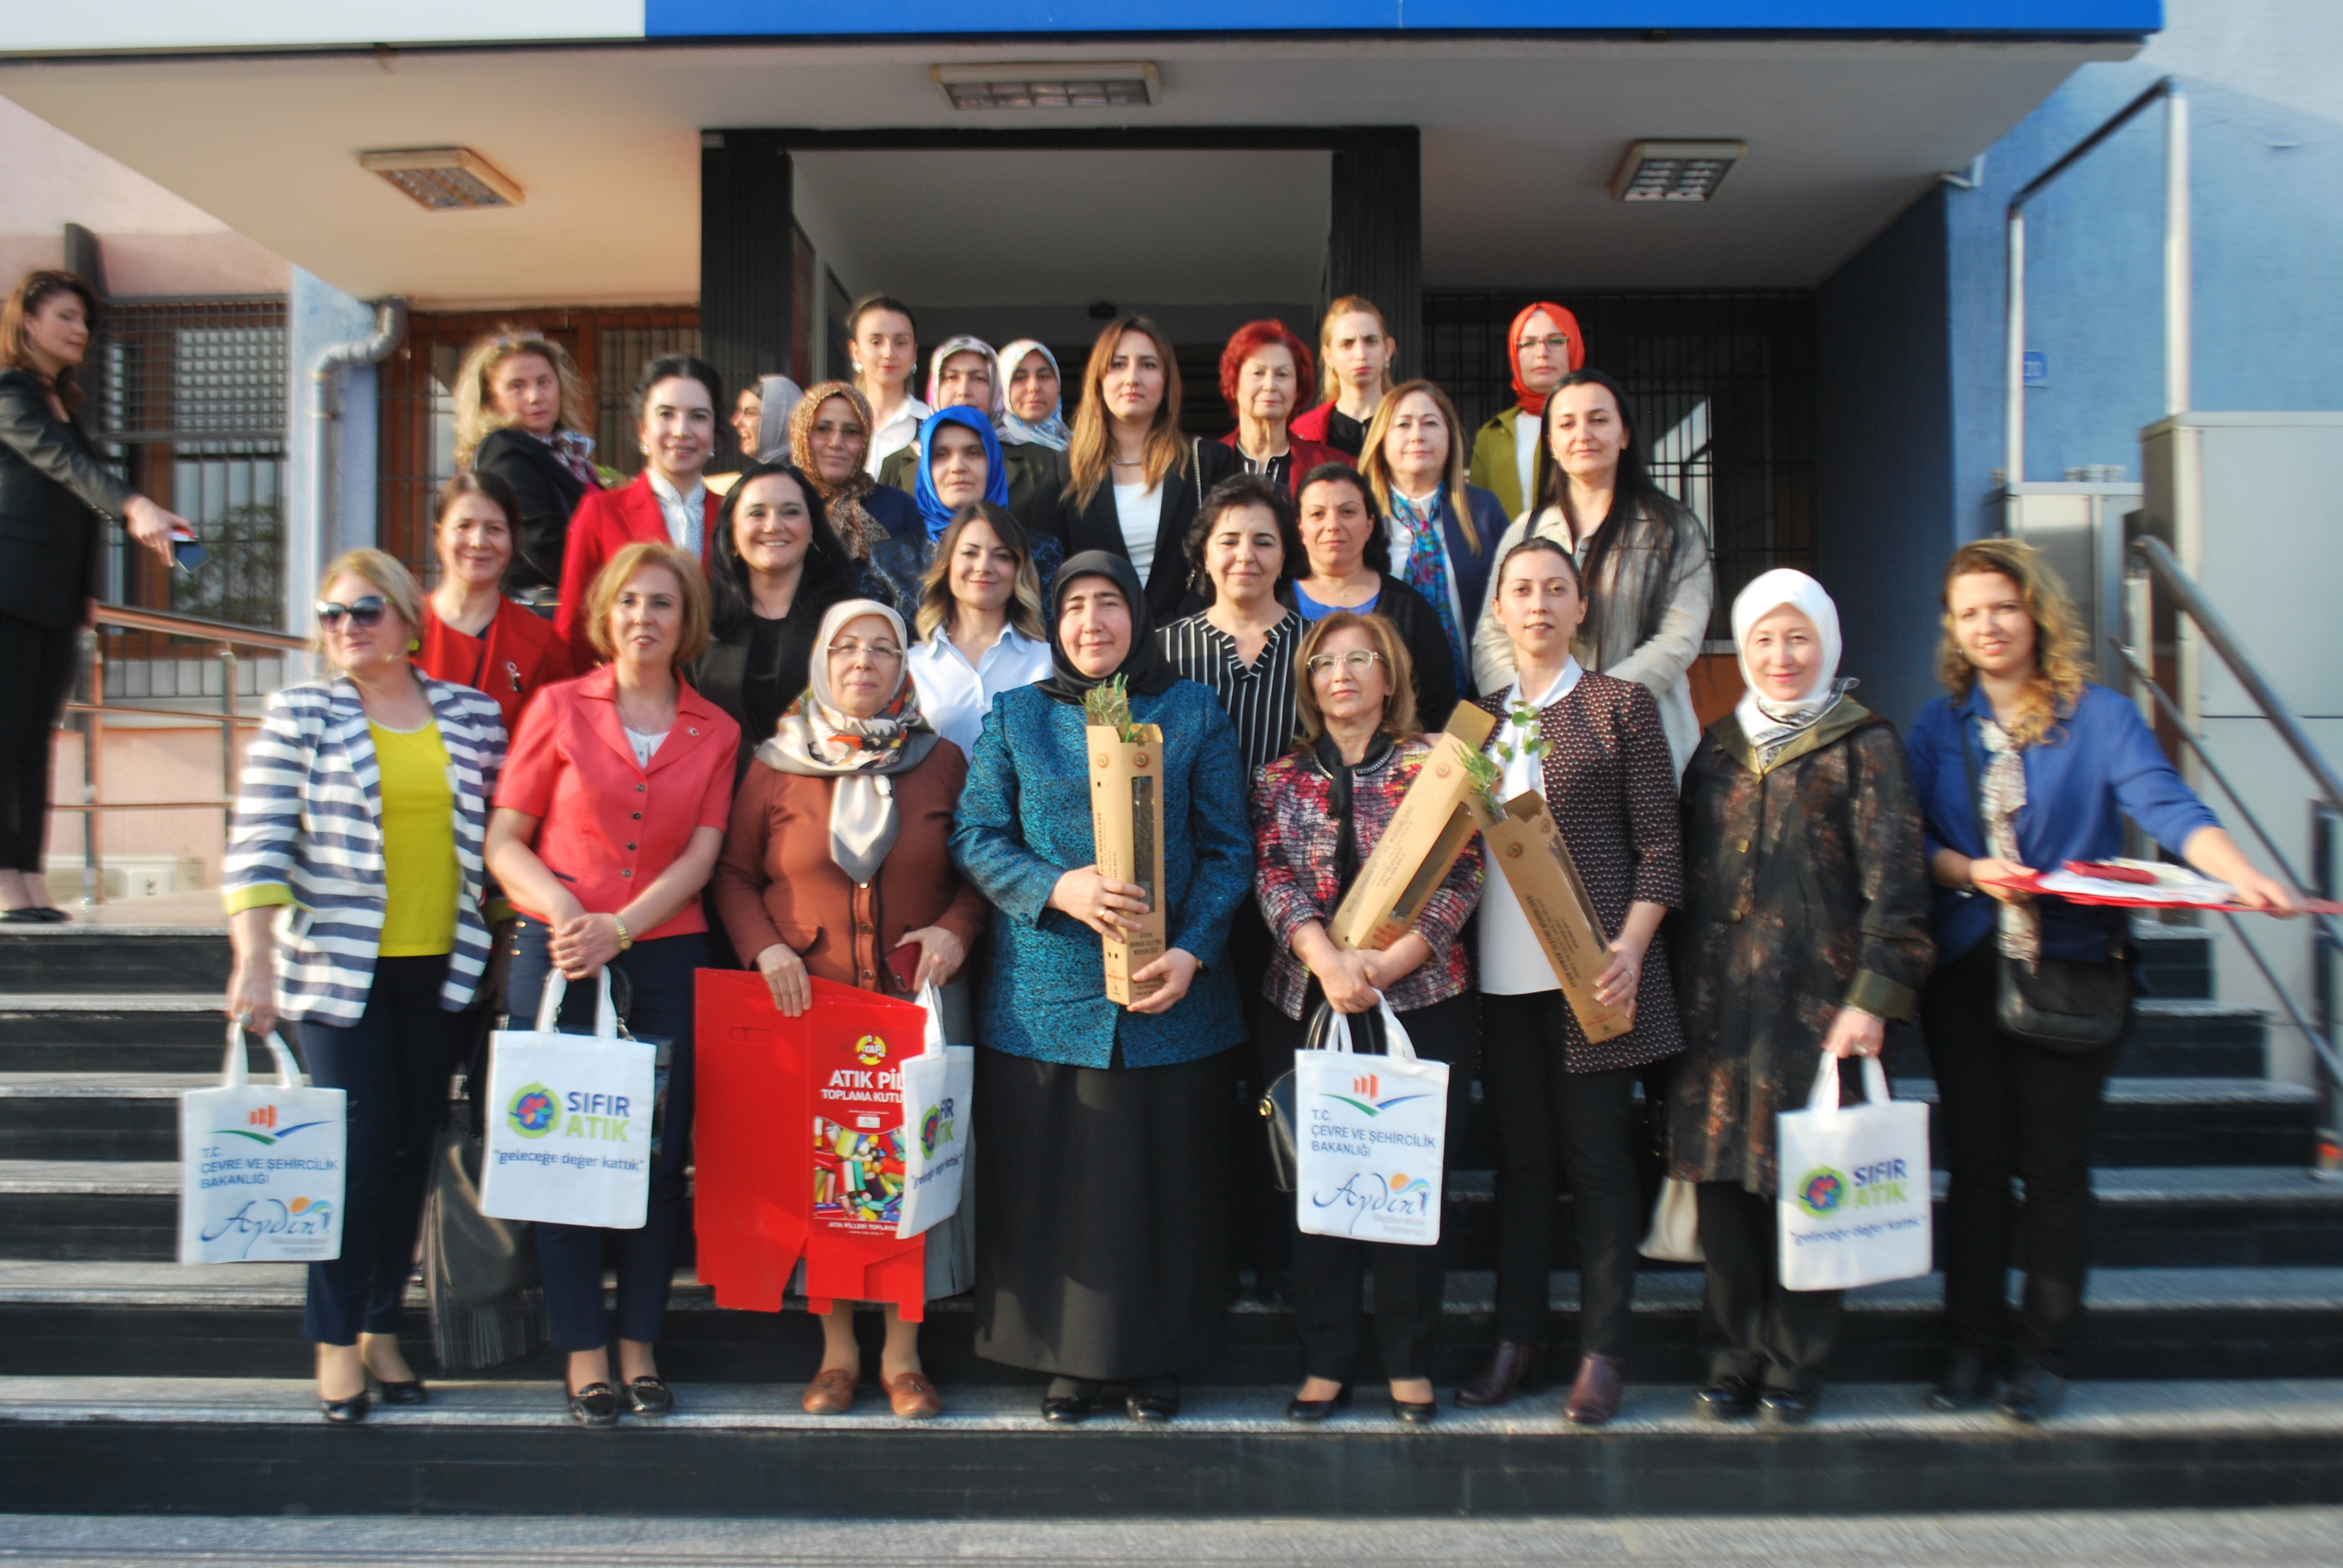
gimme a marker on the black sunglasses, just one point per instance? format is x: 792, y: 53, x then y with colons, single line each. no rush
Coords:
x: 364, y: 612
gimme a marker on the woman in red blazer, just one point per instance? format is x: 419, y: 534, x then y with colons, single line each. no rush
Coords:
x: 1265, y: 372
x: 610, y: 813
x: 471, y: 634
x: 674, y: 415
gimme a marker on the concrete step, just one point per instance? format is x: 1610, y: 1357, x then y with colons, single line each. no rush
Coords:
x: 113, y: 961
x: 2195, y: 1038
x: 80, y: 1116
x: 158, y: 1320
x: 2175, y: 1121
x: 159, y: 1031
x: 254, y: 1446
x: 2175, y: 961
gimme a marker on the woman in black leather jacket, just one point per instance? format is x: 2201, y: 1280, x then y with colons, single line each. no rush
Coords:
x: 52, y: 492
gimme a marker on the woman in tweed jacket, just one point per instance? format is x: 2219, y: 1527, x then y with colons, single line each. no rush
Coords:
x: 355, y: 889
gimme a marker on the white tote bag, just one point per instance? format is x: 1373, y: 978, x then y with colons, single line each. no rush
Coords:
x: 1675, y: 1235
x: 938, y: 1090
x: 261, y: 1166
x: 1854, y: 1203
x: 1370, y: 1139
x: 569, y: 1134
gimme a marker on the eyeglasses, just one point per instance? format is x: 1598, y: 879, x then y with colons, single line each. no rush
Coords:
x: 1358, y: 661
x: 1557, y: 344
x: 362, y: 612
x: 880, y: 652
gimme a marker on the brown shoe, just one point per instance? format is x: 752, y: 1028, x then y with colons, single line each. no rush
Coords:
x: 1594, y: 1397
x: 831, y: 1393
x: 914, y: 1397
x: 1510, y: 1368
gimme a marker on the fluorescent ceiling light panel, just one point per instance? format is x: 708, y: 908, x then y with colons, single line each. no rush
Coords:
x: 444, y: 179
x: 1050, y: 85
x: 1676, y: 171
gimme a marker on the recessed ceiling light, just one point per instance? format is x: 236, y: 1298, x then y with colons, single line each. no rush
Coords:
x: 444, y: 179
x: 1054, y: 85
x: 1676, y: 171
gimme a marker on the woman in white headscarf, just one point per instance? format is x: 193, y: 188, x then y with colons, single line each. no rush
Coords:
x: 838, y: 858
x: 1803, y: 929
x: 965, y: 373
x: 1032, y: 400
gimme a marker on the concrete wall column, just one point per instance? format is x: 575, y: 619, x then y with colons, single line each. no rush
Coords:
x: 1375, y: 244
x: 317, y: 317
x: 746, y: 265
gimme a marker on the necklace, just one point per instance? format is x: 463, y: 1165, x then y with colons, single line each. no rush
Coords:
x: 662, y: 717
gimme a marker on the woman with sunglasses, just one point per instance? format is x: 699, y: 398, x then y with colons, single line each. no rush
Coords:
x: 354, y: 858
x: 839, y: 857
x: 1318, y: 813
x: 472, y: 634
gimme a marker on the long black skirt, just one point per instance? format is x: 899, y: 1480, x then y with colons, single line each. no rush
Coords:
x: 1102, y: 1248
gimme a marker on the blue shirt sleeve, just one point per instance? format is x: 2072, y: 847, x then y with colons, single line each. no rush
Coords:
x: 2147, y: 787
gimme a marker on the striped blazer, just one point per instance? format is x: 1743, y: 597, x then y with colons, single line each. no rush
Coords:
x: 308, y: 818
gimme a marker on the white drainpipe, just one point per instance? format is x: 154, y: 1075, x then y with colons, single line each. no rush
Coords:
x: 324, y: 406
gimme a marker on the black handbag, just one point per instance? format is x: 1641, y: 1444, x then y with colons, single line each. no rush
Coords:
x: 483, y: 1295
x: 1277, y: 1103
x: 2070, y: 1005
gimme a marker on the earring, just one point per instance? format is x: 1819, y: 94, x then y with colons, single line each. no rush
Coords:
x: 414, y: 645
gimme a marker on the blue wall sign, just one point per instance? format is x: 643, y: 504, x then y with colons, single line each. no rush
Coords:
x: 2036, y: 364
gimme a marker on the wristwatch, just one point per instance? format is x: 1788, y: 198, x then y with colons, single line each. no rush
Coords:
x: 625, y: 941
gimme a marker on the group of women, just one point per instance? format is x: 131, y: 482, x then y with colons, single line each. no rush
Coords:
x: 827, y: 719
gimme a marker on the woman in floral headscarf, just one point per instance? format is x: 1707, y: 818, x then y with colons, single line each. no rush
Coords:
x: 829, y: 434
x: 839, y: 856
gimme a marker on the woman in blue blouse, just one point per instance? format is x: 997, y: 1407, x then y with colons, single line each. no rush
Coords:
x: 1101, y: 1258
x: 2025, y: 766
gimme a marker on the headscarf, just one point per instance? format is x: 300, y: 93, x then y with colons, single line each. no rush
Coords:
x: 857, y: 529
x: 932, y: 510
x: 819, y: 740
x: 778, y: 398
x: 1771, y: 725
x: 1534, y: 402
x: 962, y: 344
x: 1143, y: 667
x: 1051, y: 432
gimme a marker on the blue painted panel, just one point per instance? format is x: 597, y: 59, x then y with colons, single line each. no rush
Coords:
x: 754, y: 18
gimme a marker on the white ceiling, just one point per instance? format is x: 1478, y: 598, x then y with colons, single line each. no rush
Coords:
x: 1521, y: 135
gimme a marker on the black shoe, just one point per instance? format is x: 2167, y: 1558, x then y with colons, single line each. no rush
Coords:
x: 596, y: 1404
x: 1789, y: 1406
x: 2032, y: 1395
x: 1968, y: 1383
x: 409, y: 1393
x: 1415, y: 1412
x: 1157, y: 1399
x: 1300, y: 1409
x: 1727, y: 1399
x: 52, y: 915
x: 649, y: 1396
x: 1068, y: 1402
x: 344, y: 1411
x: 27, y: 915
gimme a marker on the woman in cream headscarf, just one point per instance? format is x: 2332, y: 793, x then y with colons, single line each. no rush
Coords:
x: 836, y: 857
x: 1803, y: 929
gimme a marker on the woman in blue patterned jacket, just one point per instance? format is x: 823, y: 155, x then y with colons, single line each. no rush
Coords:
x: 359, y: 820
x: 1101, y: 1258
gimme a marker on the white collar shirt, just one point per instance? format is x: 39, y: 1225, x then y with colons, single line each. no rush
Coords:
x: 955, y: 695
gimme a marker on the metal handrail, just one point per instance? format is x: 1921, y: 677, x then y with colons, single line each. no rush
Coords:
x: 226, y: 639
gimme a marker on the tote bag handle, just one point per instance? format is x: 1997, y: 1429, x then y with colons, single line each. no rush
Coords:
x: 931, y: 1002
x: 556, y: 986
x: 233, y: 1071
x: 1825, y: 1096
x: 1396, y: 1044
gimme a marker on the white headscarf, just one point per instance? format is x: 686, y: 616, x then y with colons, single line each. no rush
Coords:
x: 780, y: 396
x: 1771, y: 725
x: 1051, y: 432
x: 961, y: 345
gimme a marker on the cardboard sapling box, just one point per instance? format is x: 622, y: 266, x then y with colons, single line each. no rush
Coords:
x: 1127, y: 829
x: 1526, y: 846
x: 1431, y: 829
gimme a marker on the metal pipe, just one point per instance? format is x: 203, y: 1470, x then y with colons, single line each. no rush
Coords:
x: 2178, y: 278
x: 325, y: 406
x: 2014, y: 473
x: 2160, y: 561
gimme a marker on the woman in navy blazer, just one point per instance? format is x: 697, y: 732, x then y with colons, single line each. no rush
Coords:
x: 1443, y: 532
x: 1101, y: 1255
x: 2025, y: 766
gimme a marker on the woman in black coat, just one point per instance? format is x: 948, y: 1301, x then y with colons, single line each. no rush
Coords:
x: 522, y: 414
x: 52, y: 492
x: 1348, y: 554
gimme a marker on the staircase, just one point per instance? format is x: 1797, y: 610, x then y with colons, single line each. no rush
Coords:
x: 130, y: 1384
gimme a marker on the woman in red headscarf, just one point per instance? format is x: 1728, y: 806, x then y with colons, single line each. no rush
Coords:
x: 1545, y: 345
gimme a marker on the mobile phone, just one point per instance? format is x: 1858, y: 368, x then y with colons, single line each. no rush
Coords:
x: 903, y: 963
x: 188, y: 553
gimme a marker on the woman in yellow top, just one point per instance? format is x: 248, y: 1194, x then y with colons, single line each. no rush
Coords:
x: 355, y: 891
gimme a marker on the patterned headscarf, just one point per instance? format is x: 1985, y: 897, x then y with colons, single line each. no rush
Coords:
x: 843, y: 504
x: 963, y: 344
x: 1051, y: 432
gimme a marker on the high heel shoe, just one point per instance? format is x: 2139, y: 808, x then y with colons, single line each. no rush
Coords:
x: 411, y: 1391
x: 1414, y: 1412
x: 344, y: 1411
x: 1310, y: 1410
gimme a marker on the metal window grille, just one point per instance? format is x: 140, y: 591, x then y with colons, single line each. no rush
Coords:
x: 1722, y: 385
x: 191, y: 405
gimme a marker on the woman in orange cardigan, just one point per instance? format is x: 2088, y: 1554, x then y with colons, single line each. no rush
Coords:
x: 836, y: 857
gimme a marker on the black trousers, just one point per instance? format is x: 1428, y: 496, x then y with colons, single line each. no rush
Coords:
x: 1329, y: 1271
x: 2007, y: 1109
x: 393, y: 1064
x: 1750, y: 1327
x: 571, y: 1257
x: 39, y: 662
x: 1261, y: 1218
x: 1551, y: 1122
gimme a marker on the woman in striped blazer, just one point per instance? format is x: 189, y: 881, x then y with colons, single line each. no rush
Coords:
x: 355, y: 885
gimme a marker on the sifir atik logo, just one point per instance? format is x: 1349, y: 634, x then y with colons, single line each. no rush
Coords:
x: 536, y: 1112
x: 1366, y: 1087
x: 260, y: 1127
